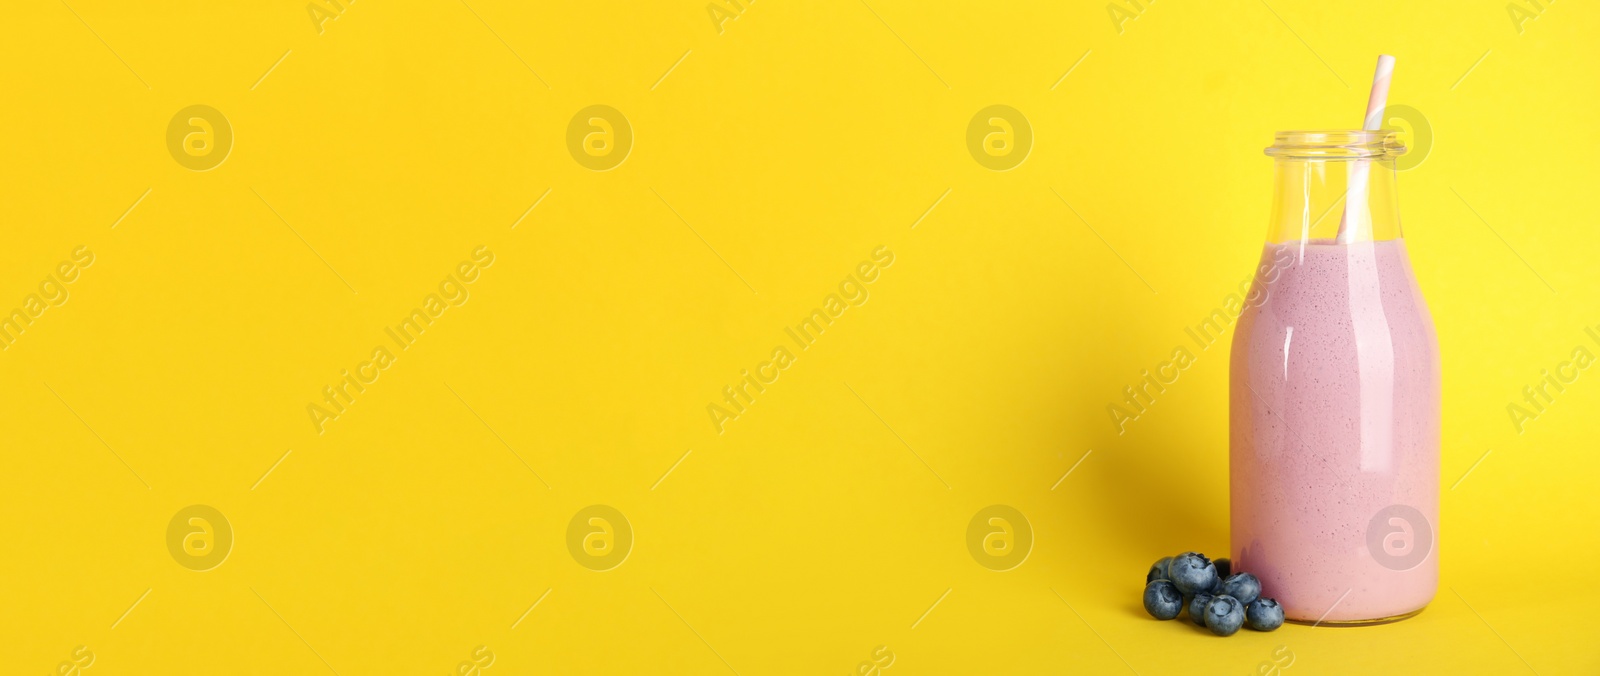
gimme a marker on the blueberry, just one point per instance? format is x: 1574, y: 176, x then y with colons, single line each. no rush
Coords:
x: 1242, y: 586
x: 1224, y: 615
x: 1197, y: 608
x: 1158, y: 570
x: 1193, y: 573
x: 1224, y: 568
x: 1162, y: 600
x: 1264, y: 614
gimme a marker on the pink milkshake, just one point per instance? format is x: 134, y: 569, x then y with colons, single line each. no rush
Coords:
x: 1334, y: 394
x: 1335, y: 434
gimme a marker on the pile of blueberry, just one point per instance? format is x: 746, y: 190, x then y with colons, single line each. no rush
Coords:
x: 1216, y: 600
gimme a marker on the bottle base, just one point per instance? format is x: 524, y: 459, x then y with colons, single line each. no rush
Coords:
x: 1360, y: 623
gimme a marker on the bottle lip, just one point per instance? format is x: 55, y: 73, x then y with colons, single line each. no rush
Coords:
x: 1337, y: 144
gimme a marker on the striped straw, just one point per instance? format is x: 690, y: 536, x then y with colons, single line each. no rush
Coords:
x: 1356, y: 203
x: 1380, y: 93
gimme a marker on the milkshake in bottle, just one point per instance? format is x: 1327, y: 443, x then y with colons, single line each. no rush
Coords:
x: 1335, y: 396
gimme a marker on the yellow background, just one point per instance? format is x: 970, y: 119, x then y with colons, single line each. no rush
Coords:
x: 781, y: 150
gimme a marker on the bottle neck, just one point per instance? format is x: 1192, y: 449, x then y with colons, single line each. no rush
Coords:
x: 1343, y: 200
x: 1334, y: 185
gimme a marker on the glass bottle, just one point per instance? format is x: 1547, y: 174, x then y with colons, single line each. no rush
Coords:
x: 1334, y: 394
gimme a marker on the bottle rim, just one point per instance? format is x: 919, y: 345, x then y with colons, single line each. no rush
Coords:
x: 1337, y: 144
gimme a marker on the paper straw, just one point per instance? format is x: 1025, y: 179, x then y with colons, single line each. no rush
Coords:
x: 1355, y: 205
x: 1380, y: 93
